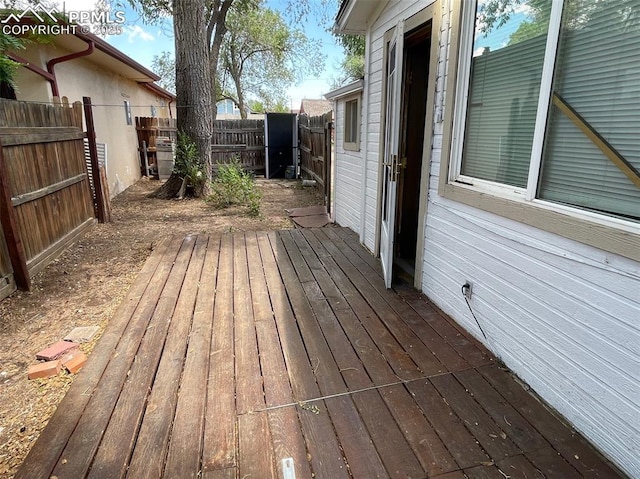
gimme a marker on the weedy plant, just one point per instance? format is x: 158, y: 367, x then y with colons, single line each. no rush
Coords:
x: 189, y: 166
x: 234, y: 186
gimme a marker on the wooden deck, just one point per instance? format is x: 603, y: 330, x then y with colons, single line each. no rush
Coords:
x: 251, y: 355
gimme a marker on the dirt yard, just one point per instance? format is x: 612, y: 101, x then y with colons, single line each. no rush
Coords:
x: 85, y: 285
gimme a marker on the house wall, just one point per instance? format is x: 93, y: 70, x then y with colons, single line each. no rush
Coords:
x: 348, y: 174
x: 108, y: 91
x: 564, y: 316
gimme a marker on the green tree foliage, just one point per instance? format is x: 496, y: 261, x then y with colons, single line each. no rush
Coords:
x: 256, y: 106
x: 10, y: 43
x: 494, y: 14
x: 261, y: 56
x: 279, y: 107
x: 9, y: 68
x: 352, y: 66
x: 164, y: 65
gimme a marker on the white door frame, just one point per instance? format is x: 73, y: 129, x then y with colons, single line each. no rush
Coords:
x: 432, y: 14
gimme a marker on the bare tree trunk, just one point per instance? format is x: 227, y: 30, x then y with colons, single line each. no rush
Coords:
x: 193, y: 76
x: 193, y: 87
x: 216, y: 29
x: 240, y: 94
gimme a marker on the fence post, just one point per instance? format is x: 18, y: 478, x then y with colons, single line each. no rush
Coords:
x: 93, y: 154
x: 11, y: 234
x: 328, y: 129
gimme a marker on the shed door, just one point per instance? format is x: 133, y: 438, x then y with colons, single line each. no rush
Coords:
x: 390, y: 166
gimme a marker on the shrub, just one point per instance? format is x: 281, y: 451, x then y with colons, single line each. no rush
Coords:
x: 234, y: 186
x: 188, y: 164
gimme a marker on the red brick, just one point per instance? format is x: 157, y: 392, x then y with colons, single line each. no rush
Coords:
x: 56, y: 350
x: 45, y: 370
x: 74, y: 361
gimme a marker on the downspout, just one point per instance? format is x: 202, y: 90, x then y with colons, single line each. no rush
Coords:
x: 50, y: 75
x: 34, y: 68
x: 169, y: 105
x: 72, y: 56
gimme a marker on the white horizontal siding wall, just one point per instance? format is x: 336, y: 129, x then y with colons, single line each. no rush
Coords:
x: 563, y: 315
x: 348, y: 175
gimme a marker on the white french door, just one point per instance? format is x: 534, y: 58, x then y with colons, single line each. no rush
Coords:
x: 389, y: 173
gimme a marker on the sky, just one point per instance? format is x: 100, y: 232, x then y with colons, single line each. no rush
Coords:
x: 141, y: 42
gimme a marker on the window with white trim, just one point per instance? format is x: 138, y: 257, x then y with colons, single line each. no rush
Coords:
x: 548, y: 104
x: 352, y: 124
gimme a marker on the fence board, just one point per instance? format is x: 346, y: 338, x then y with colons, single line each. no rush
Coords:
x: 46, y: 182
x: 242, y: 140
x: 314, y: 134
x: 26, y: 136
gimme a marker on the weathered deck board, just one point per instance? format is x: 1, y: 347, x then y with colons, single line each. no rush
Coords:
x: 185, y: 447
x: 232, y: 354
x: 169, y: 347
x: 219, y: 449
x: 130, y: 365
x: 46, y: 451
x: 327, y: 460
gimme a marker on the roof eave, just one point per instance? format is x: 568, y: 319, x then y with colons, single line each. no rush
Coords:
x: 354, y: 16
x: 110, y: 50
x: 350, y: 89
x: 158, y: 90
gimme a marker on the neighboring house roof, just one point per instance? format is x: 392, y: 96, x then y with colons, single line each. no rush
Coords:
x: 345, y: 90
x: 315, y: 107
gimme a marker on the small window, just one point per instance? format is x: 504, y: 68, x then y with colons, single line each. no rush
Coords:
x: 352, y: 125
x: 153, y: 111
x: 127, y: 112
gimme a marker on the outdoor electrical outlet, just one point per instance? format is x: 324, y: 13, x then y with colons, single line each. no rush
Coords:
x: 466, y: 290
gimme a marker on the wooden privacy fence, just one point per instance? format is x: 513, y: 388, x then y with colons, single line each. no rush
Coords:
x: 239, y: 139
x: 315, y: 151
x: 46, y: 200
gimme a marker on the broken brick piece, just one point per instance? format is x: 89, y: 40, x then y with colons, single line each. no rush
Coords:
x: 56, y: 350
x: 74, y: 361
x: 45, y: 370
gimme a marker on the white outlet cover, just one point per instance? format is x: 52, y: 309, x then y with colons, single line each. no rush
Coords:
x: 288, y: 468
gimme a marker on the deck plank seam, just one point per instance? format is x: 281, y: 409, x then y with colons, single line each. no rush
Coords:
x: 356, y: 391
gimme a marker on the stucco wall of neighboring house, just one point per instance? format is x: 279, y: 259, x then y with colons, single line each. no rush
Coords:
x: 563, y: 315
x: 348, y: 174
x: 108, y: 91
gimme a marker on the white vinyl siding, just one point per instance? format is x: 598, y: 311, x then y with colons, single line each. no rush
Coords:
x: 563, y: 315
x: 348, y: 177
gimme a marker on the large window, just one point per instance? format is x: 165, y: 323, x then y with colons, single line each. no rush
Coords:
x: 548, y: 109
